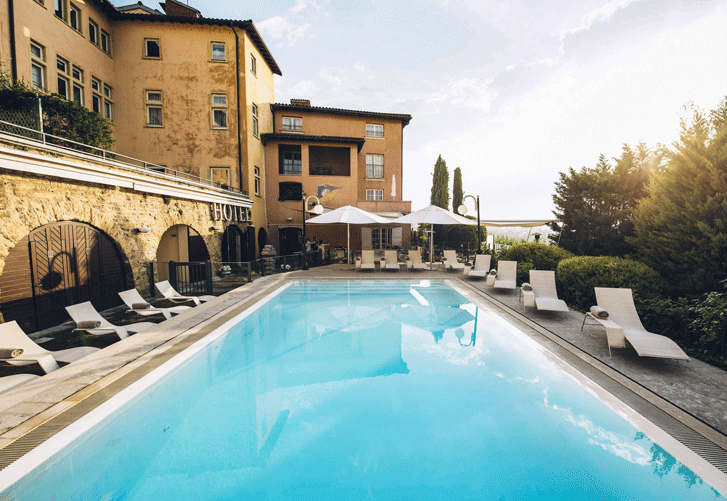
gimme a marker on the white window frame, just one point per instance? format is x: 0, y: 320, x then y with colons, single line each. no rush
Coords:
x: 63, y: 77
x: 255, y: 121
x: 38, y: 62
x: 74, y: 21
x: 96, y: 97
x: 374, y: 130
x: 258, y: 181
x: 381, y: 238
x: 154, y: 101
x: 219, y: 104
x: 225, y: 170
x: 60, y: 8
x: 212, y: 52
x: 253, y: 64
x: 106, y: 42
x: 108, y: 104
x: 146, y: 48
x: 293, y: 162
x: 77, y: 76
x: 374, y: 195
x: 374, y: 169
x: 294, y: 124
x: 93, y: 32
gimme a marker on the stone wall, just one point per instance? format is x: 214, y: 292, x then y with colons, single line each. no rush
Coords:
x: 28, y: 202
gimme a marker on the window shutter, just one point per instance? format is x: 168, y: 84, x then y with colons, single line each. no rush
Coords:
x: 396, y: 236
x: 366, y: 238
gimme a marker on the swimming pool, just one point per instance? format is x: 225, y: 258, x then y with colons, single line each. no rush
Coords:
x: 365, y: 390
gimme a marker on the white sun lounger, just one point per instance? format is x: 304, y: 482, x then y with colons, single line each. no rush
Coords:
x: 132, y: 298
x: 7, y: 383
x: 506, y: 275
x: 391, y: 260
x: 367, y: 260
x: 170, y: 293
x: 450, y: 261
x: 623, y: 323
x: 544, y: 295
x: 12, y: 337
x: 482, y: 266
x: 415, y: 260
x: 85, y: 312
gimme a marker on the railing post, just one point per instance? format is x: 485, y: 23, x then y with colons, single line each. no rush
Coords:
x: 208, y: 276
x: 173, y: 274
x: 249, y: 272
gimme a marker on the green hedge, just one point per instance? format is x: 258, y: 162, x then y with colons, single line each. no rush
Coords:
x: 576, y: 277
x: 534, y: 256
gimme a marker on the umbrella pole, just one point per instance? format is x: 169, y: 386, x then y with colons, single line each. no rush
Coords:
x: 431, y: 249
x: 348, y: 243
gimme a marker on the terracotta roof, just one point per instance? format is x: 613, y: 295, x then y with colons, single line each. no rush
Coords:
x: 404, y: 119
x: 139, y: 5
x: 304, y: 138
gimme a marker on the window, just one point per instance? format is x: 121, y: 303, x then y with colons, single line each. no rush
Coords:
x: 290, y: 191
x: 105, y: 42
x: 92, y: 32
x: 294, y: 124
x: 254, y: 120
x: 37, y: 65
x: 154, y: 108
x: 220, y: 176
x: 152, y: 49
x: 257, y: 181
x: 374, y: 130
x: 63, y: 81
x: 96, y: 99
x: 381, y: 238
x: 219, y: 111
x: 218, y: 51
x: 77, y: 74
x: 74, y: 18
x: 60, y: 8
x: 374, y: 166
x: 253, y: 64
x: 108, y: 105
x: 289, y: 159
x: 374, y: 195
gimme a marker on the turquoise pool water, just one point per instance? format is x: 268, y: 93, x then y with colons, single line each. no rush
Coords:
x: 370, y: 390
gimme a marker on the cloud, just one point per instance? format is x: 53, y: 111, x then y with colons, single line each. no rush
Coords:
x: 602, y: 14
x: 294, y: 25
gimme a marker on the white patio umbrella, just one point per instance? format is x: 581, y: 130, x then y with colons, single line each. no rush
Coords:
x: 349, y: 215
x: 433, y: 215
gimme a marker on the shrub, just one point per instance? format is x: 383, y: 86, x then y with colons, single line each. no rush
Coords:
x: 577, y: 276
x: 534, y: 256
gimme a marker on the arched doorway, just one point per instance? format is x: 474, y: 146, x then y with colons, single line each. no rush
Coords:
x: 234, y: 245
x: 57, y: 265
x: 262, y: 239
x: 182, y: 244
x: 290, y: 240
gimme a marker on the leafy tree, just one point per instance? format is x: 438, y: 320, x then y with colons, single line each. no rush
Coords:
x: 440, y: 184
x: 594, y: 206
x: 457, y: 193
x: 681, y: 226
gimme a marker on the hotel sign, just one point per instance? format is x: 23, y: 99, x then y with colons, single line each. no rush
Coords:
x: 227, y: 212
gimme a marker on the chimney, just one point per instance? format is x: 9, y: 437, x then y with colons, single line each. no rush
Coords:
x: 300, y: 102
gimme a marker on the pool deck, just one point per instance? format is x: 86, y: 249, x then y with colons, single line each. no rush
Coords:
x: 693, y: 393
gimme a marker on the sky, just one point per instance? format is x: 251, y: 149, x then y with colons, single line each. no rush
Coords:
x: 512, y: 92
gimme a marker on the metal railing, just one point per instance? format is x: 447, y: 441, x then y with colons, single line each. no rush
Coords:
x: 26, y: 136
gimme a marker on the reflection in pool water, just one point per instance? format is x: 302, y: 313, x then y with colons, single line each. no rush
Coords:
x: 373, y: 390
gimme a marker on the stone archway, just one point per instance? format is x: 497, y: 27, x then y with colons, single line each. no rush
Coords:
x: 57, y: 265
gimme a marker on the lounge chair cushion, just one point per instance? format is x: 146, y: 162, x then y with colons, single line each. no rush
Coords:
x: 89, y: 324
x: 10, y: 352
x: 599, y: 312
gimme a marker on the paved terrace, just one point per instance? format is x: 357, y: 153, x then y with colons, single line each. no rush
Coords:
x: 681, y: 397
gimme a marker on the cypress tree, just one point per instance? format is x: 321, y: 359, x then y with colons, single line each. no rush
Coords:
x: 457, y: 193
x: 440, y: 184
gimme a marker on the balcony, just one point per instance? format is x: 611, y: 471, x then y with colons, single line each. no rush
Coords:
x: 385, y: 205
